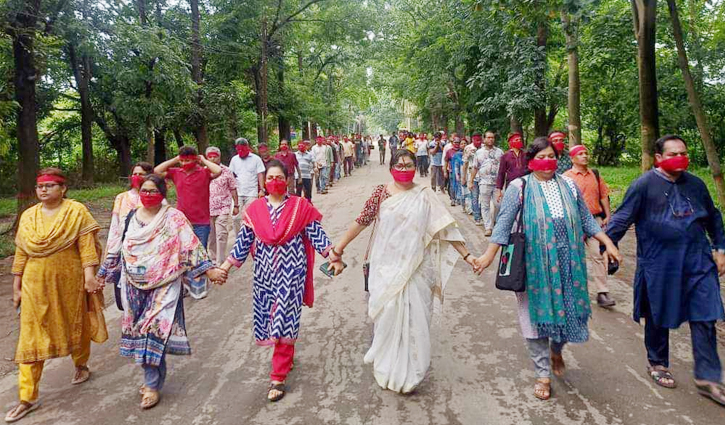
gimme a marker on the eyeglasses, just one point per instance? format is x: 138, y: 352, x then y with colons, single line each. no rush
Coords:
x: 46, y: 186
x: 679, y: 210
x: 149, y: 192
x: 404, y: 167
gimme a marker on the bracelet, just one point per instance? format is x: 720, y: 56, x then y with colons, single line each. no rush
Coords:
x: 466, y: 256
x: 335, y: 252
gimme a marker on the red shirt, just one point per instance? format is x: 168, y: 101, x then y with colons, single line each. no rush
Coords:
x: 192, y: 192
x: 289, y: 160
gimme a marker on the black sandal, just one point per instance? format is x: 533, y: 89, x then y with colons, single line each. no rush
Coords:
x: 713, y: 391
x: 276, y: 387
x: 660, y: 373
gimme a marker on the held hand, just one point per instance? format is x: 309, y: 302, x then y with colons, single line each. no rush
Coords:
x: 606, y: 221
x: 482, y: 263
x: 720, y: 261
x: 499, y: 195
x: 93, y: 284
x: 337, y: 267
x: 471, y: 260
x: 612, y: 254
x: 333, y: 256
x: 217, y: 275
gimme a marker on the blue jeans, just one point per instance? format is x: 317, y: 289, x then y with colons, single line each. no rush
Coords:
x: 154, y: 376
x: 198, y: 287
x: 475, y: 201
x: 322, y: 178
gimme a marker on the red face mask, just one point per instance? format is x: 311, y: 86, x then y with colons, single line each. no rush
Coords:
x: 276, y: 187
x: 477, y: 143
x: 558, y: 145
x: 150, y: 200
x: 546, y: 164
x: 189, y: 166
x: 516, y: 144
x: 242, y: 151
x: 284, y: 148
x: 302, y: 148
x: 137, y: 181
x: 403, y: 176
x: 675, y: 163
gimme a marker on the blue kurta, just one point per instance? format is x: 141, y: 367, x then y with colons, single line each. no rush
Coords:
x: 279, y: 279
x: 675, y: 273
x: 456, y: 188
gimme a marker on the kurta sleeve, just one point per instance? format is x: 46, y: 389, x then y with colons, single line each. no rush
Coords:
x: 87, y: 248
x: 589, y: 223
x: 316, y: 234
x: 372, y: 206
x: 242, y: 246
x: 19, y: 262
x: 501, y: 177
x: 627, y: 213
x: 510, y: 207
x: 713, y: 225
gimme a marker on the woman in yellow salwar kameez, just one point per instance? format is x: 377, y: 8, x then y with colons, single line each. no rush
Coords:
x: 56, y: 254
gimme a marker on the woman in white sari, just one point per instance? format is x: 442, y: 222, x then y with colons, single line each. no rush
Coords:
x: 414, y: 248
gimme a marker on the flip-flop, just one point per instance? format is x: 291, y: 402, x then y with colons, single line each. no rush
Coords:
x: 83, y: 378
x: 658, y: 373
x: 32, y: 407
x: 713, y: 391
x: 276, y: 387
x: 544, y: 388
x: 150, y: 399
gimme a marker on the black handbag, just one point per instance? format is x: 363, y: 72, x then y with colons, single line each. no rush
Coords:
x: 117, y: 283
x: 511, y: 274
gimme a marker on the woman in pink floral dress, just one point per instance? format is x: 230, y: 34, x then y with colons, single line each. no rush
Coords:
x: 157, y: 252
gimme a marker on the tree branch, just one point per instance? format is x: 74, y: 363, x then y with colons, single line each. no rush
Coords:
x: 289, y: 19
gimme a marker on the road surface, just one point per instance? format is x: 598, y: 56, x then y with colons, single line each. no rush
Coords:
x: 480, y: 372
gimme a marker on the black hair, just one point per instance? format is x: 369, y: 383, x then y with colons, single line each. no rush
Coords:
x: 148, y: 168
x: 490, y: 131
x: 660, y: 143
x: 438, y: 135
x: 188, y: 150
x: 401, y: 153
x: 275, y: 163
x: 158, y: 181
x: 538, y: 145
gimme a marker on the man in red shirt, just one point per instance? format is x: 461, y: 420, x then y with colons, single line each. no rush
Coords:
x: 596, y: 195
x: 290, y: 162
x: 192, y: 179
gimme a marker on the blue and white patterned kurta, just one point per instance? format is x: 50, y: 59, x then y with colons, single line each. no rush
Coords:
x: 279, y: 278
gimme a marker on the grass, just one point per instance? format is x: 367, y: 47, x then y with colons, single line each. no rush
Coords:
x: 619, y: 179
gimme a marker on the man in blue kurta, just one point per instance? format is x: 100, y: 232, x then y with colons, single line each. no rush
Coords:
x: 680, y: 253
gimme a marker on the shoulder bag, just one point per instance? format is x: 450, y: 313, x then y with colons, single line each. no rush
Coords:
x: 511, y: 274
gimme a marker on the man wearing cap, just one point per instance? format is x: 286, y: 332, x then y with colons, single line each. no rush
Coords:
x: 192, y: 179
x: 558, y: 139
x: 290, y: 162
x: 513, y: 164
x: 223, y: 205
x: 486, y: 164
x: 596, y: 195
x: 249, y: 170
x: 322, y: 167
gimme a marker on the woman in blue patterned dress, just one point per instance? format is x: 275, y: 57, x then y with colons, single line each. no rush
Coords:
x: 555, y: 306
x: 282, y: 232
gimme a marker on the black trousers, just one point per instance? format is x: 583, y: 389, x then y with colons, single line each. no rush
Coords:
x: 305, y: 186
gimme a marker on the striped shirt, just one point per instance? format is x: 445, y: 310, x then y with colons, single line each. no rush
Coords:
x: 306, y: 163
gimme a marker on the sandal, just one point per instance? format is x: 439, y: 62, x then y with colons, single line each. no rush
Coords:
x: 713, y: 391
x: 81, y: 376
x: 279, y: 387
x: 26, y: 406
x: 557, y: 364
x: 659, y: 374
x: 542, y: 388
x: 150, y: 399
x: 142, y: 389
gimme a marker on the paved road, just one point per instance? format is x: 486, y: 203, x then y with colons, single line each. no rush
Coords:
x: 480, y: 372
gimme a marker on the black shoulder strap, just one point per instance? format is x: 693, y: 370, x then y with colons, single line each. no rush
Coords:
x: 128, y: 221
x: 520, y: 225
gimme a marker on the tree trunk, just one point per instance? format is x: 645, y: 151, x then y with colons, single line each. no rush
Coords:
x: 540, y: 116
x: 571, y: 31
x: 200, y: 132
x: 460, y: 127
x: 150, y: 141
x: 645, y: 20
x: 81, y: 68
x: 694, y: 98
x: 285, y: 131
x: 160, y: 146
x: 178, y: 138
x: 24, y: 79
x: 516, y: 125
x: 262, y: 86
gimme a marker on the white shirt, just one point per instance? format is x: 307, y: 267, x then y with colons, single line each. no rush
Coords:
x: 319, y: 152
x: 247, y: 170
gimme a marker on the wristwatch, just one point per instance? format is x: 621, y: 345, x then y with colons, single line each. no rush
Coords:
x: 720, y: 251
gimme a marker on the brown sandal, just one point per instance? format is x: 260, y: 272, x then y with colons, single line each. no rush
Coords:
x: 280, y: 388
x: 557, y: 364
x: 542, y: 388
x: 150, y: 399
x: 81, y: 376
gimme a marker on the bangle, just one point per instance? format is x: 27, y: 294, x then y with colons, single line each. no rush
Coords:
x: 466, y: 256
x: 335, y: 252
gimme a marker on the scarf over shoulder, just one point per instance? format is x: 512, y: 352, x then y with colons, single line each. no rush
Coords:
x: 296, y: 215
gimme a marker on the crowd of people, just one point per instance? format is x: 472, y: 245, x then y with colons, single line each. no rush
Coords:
x: 157, y: 254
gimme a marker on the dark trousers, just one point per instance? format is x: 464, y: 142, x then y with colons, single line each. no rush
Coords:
x: 306, y: 187
x: 423, y: 161
x: 436, y: 177
x: 348, y: 165
x: 704, y: 348
x: 382, y: 156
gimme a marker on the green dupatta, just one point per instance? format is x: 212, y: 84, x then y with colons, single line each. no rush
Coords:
x: 543, y: 278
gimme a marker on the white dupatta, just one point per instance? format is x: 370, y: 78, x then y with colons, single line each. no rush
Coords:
x: 410, y: 263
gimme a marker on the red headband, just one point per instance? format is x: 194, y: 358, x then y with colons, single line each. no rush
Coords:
x: 477, y: 138
x: 556, y: 134
x: 50, y: 178
x: 514, y: 136
x: 188, y: 157
x: 211, y: 154
x: 574, y: 151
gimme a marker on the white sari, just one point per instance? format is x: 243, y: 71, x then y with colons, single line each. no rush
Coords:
x: 410, y: 263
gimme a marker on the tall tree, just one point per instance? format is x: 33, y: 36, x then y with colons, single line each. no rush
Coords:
x: 571, y: 29
x: 693, y: 97
x: 197, y: 53
x: 645, y: 20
